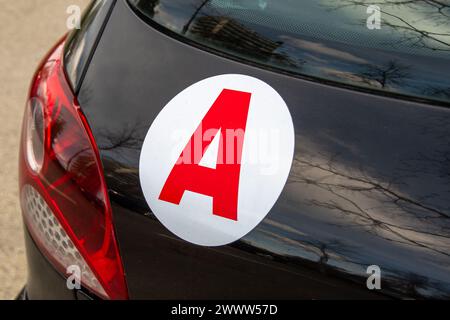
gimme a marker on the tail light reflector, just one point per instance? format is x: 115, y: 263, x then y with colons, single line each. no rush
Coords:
x: 63, y: 193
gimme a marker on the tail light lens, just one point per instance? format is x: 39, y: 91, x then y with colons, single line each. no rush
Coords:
x: 63, y: 192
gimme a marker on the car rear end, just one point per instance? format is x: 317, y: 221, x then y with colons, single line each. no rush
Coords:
x: 369, y: 182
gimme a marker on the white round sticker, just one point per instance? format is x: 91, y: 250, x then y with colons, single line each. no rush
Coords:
x: 216, y: 158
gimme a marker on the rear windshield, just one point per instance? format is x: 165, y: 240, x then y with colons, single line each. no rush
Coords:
x: 389, y: 45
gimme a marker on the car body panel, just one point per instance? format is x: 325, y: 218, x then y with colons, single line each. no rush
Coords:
x: 81, y: 43
x: 44, y: 282
x: 369, y: 183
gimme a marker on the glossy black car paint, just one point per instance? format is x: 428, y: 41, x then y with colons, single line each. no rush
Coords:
x: 370, y: 182
x: 80, y: 44
x: 44, y: 282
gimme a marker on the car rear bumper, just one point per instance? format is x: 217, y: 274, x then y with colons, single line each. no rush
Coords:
x: 44, y: 282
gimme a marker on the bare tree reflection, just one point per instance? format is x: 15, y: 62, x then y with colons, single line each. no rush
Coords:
x: 376, y: 206
x: 434, y: 162
x: 435, y: 12
x: 392, y: 73
x: 121, y: 148
x: 443, y: 92
x: 126, y: 137
x: 333, y: 255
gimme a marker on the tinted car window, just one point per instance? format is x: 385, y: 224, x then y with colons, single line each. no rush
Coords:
x: 394, y: 46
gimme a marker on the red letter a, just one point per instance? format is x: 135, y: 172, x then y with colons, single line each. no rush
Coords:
x: 228, y: 114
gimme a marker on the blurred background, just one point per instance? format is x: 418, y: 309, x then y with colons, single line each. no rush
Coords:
x: 28, y: 29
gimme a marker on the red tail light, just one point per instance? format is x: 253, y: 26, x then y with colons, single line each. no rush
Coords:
x: 63, y: 192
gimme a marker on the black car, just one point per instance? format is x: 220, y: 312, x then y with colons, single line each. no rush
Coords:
x: 225, y: 149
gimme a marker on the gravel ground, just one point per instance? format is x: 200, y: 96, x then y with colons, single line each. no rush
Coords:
x: 28, y: 28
